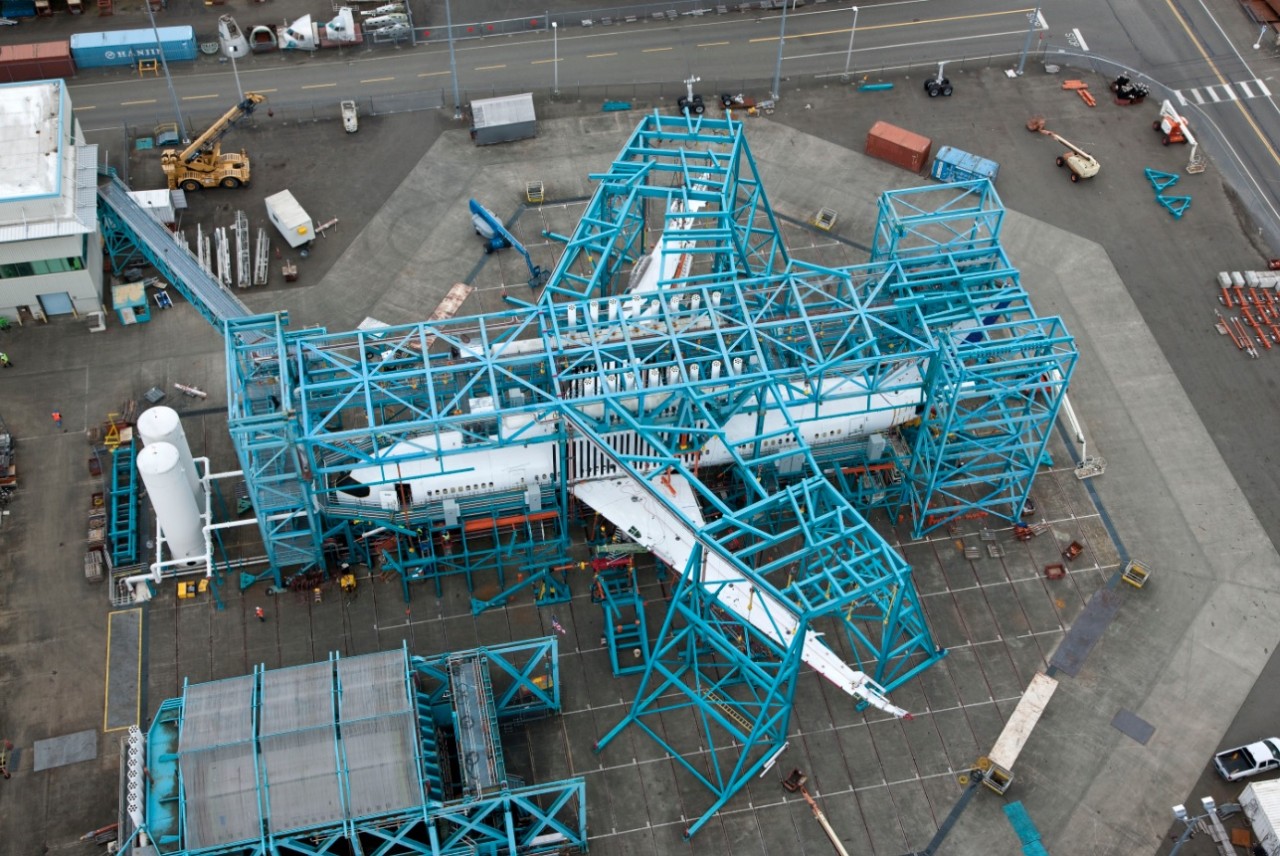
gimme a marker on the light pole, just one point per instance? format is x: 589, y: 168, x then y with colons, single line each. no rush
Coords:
x: 173, y: 95
x: 848, y: 58
x: 1031, y: 31
x: 782, y: 42
x: 1261, y: 33
x: 453, y: 65
x: 555, y: 59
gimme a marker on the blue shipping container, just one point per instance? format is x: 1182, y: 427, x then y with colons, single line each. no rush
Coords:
x: 18, y: 8
x: 955, y: 165
x: 126, y: 47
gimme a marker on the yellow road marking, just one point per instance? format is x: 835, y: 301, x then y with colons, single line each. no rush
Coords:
x: 543, y: 61
x: 86, y: 107
x: 1223, y: 80
x: 432, y: 73
x: 377, y: 79
x: 657, y: 50
x: 320, y: 86
x: 106, y: 685
x: 712, y: 44
x: 976, y: 15
x: 199, y: 97
x: 599, y: 55
x: 264, y: 91
x: 131, y: 103
x: 490, y: 67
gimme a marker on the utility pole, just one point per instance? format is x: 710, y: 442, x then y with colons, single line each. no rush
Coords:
x: 555, y: 60
x: 782, y: 42
x: 1031, y: 31
x: 848, y: 58
x: 453, y: 65
x: 177, y: 109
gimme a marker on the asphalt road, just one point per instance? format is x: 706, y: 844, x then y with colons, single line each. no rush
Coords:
x: 731, y: 47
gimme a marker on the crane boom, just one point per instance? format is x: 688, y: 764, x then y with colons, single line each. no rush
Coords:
x: 1069, y: 145
x: 207, y: 141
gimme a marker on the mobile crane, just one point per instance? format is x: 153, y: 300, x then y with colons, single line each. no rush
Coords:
x: 202, y: 164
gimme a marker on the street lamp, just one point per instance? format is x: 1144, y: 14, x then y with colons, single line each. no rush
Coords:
x: 1261, y: 33
x: 555, y: 59
x: 164, y: 63
x: 1031, y: 31
x: 453, y: 65
x: 849, y: 56
x: 782, y: 42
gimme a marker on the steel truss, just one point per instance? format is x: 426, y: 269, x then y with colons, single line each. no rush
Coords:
x: 264, y: 432
x: 932, y: 348
x: 706, y: 160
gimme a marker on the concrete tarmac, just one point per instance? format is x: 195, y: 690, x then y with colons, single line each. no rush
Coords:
x: 1131, y: 283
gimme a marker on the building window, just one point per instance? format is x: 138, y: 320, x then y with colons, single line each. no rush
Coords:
x: 20, y: 269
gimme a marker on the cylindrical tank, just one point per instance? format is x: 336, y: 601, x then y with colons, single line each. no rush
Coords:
x: 160, y: 466
x: 162, y: 425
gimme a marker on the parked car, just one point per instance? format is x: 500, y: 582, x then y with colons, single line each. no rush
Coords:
x: 1249, y: 760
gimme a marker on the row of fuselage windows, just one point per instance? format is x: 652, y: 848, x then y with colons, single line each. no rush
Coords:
x: 473, y: 488
x: 15, y: 270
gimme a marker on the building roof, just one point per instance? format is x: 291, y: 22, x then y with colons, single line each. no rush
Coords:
x: 29, y: 161
x: 48, y: 179
x: 503, y: 110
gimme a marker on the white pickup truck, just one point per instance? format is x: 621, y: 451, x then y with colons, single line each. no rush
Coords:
x: 1245, y: 761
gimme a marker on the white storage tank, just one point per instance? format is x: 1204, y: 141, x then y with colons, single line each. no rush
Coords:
x: 162, y: 425
x: 160, y: 466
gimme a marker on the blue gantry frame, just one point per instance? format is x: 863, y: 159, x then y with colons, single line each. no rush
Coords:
x: 935, y: 329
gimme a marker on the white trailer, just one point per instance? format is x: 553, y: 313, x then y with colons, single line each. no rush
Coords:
x: 290, y: 218
x: 1261, y: 804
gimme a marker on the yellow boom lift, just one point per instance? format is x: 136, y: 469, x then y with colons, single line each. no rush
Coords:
x: 202, y: 164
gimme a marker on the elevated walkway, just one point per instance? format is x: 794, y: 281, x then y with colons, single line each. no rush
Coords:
x: 129, y: 230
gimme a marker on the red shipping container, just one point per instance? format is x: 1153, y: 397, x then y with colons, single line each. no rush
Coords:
x: 36, y: 61
x: 898, y: 146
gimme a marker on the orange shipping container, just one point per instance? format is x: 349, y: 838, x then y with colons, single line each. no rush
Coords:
x: 36, y: 61
x: 898, y: 146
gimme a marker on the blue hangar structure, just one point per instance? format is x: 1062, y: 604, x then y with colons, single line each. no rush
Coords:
x: 631, y: 395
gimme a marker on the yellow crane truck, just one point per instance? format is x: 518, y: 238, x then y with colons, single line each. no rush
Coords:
x: 202, y: 164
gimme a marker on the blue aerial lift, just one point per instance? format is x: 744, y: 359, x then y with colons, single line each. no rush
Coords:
x: 497, y: 237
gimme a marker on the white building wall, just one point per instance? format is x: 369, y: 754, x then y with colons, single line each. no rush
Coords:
x: 84, y: 286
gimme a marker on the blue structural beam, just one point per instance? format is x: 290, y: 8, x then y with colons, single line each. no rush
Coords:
x: 263, y: 430
x: 122, y: 527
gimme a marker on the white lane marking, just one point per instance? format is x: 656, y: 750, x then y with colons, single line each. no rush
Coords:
x: 1080, y: 39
